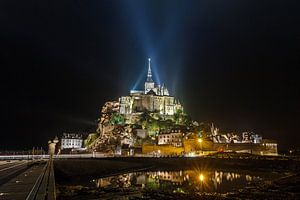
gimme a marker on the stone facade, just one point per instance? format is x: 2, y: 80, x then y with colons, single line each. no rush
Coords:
x: 267, y: 147
x: 161, y: 149
x: 174, y: 138
x: 71, y: 141
x: 135, y: 103
x: 154, y: 98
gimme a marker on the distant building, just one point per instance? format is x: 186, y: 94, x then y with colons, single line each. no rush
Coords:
x: 270, y: 147
x: 250, y: 137
x: 141, y: 133
x: 153, y: 98
x: 173, y: 138
x: 257, y: 138
x: 71, y: 141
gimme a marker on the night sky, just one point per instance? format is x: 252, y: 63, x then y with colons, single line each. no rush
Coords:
x: 234, y: 63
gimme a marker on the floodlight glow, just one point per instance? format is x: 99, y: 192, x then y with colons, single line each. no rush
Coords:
x: 141, y: 78
x: 138, y: 82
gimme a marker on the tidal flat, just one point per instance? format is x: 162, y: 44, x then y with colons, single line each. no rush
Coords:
x: 177, y: 178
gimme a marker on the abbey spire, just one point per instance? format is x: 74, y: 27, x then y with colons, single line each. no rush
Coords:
x: 154, y: 98
x: 149, y: 84
x: 149, y: 75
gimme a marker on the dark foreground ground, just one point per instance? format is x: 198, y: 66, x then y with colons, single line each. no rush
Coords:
x: 75, y: 171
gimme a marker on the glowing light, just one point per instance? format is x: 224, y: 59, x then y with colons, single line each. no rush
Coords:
x: 141, y: 78
x: 201, y: 177
x: 191, y: 154
x: 200, y: 140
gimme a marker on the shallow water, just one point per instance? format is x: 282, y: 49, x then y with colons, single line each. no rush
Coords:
x: 164, y: 184
x: 189, y: 181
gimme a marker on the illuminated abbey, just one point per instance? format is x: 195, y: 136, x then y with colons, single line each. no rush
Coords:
x: 149, y: 121
x: 154, y: 98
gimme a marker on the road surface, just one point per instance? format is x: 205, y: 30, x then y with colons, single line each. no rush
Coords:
x: 20, y: 180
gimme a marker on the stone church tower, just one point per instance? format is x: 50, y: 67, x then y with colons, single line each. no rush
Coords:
x: 149, y: 84
x: 154, y: 98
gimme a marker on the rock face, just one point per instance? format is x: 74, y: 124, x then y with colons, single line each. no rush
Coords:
x: 112, y: 130
x: 116, y: 130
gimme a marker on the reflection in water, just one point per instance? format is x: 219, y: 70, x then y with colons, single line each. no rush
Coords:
x: 179, y: 181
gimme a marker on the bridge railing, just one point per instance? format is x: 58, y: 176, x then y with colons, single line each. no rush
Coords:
x: 23, y: 157
x: 60, y: 156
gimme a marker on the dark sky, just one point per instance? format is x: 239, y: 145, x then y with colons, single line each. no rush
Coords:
x: 234, y: 63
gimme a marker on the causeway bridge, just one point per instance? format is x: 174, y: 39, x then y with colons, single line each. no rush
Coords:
x: 27, y: 177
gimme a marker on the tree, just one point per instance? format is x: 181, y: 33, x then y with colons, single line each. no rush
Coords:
x: 177, y: 116
x: 116, y: 119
